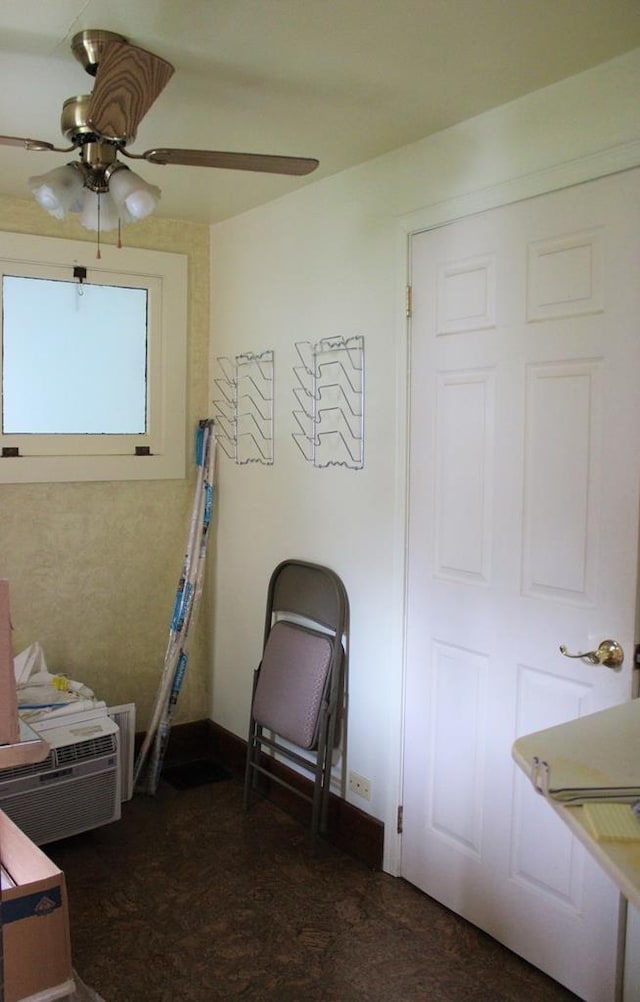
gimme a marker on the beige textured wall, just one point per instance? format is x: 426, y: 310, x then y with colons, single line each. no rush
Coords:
x: 93, y: 567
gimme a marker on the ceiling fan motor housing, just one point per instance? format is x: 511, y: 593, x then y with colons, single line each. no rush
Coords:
x: 87, y: 47
x: 73, y: 121
x: 96, y: 154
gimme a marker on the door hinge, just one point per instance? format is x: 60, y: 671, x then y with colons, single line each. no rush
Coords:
x: 408, y: 301
x: 400, y: 819
x: 636, y: 656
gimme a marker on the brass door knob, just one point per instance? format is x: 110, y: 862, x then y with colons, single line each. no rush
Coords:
x: 609, y: 654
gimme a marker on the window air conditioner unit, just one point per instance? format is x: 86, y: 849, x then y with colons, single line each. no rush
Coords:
x: 76, y: 788
x: 125, y: 718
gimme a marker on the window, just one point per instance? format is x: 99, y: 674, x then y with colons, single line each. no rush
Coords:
x: 93, y: 362
x: 74, y: 358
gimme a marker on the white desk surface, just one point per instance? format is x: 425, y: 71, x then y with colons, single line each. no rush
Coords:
x: 621, y: 860
x: 604, y: 749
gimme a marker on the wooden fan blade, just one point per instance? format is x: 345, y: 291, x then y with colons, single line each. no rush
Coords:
x: 27, y: 144
x: 266, y: 163
x: 128, y: 81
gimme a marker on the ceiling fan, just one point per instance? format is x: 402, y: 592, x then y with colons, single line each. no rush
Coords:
x: 101, y: 125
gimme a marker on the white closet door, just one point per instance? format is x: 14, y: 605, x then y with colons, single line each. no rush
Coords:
x: 523, y: 535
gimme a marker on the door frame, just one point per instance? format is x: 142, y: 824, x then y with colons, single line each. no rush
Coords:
x: 567, y: 174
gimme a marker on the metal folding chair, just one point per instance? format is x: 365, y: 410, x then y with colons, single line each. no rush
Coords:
x: 298, y: 686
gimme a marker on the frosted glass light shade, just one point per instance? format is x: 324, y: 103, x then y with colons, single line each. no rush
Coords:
x: 133, y: 195
x: 99, y: 211
x: 59, y: 191
x: 63, y: 190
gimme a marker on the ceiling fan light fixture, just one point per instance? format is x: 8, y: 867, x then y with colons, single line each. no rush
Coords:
x: 99, y: 211
x: 133, y: 195
x: 59, y: 191
x: 104, y: 198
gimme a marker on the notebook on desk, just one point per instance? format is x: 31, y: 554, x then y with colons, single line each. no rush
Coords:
x: 596, y: 757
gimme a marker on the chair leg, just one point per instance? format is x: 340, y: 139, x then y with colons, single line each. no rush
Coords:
x: 316, y: 805
x: 253, y: 750
x: 328, y: 756
x: 322, y: 782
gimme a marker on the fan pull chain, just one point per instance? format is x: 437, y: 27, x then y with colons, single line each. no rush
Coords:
x: 98, y: 253
x: 119, y: 233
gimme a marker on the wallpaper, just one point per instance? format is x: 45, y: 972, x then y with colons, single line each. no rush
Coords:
x: 93, y: 567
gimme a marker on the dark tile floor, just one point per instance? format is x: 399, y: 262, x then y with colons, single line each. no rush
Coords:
x: 188, y: 898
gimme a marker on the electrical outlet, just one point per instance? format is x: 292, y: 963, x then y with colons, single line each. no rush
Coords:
x: 360, y: 785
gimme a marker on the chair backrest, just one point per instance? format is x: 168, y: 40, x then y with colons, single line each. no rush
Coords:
x: 309, y: 590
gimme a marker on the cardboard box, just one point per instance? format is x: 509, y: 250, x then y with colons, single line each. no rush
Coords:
x: 35, y: 922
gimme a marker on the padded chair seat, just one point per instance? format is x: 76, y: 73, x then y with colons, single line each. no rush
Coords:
x: 293, y: 678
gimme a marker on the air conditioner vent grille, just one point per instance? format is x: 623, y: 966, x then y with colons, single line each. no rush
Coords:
x: 106, y: 744
x: 35, y: 768
x: 125, y: 717
x: 76, y: 806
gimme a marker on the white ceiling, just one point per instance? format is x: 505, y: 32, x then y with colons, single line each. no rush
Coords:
x: 340, y: 80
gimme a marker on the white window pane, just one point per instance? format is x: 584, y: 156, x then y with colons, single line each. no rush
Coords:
x: 75, y: 358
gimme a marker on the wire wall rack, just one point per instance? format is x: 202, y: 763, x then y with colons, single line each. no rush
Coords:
x: 243, y: 411
x: 329, y: 392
